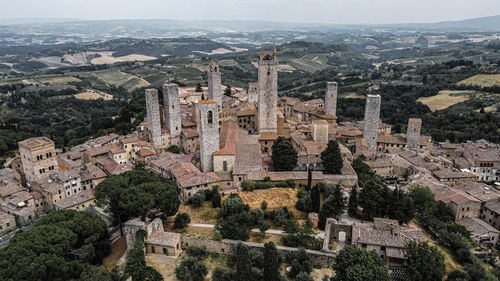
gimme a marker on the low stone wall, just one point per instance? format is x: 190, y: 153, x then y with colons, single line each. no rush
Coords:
x: 319, y: 259
x: 344, y: 180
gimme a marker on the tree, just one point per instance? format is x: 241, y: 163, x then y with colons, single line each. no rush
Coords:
x: 191, y: 269
x: 263, y: 205
x: 137, y: 202
x: 353, y: 202
x: 303, y: 277
x: 243, y: 263
x: 181, y: 220
x: 316, y: 198
x: 227, y: 91
x: 196, y: 251
x: 300, y: 235
x: 173, y: 148
x: 332, y: 158
x: 272, y: 263
x: 216, y: 197
x: 264, y: 226
x: 284, y: 155
x: 198, y: 88
x: 420, y: 256
x: 354, y: 264
x: 235, y: 221
x: 223, y: 274
x: 457, y: 275
x: 197, y: 199
x: 333, y: 206
x: 300, y: 263
x: 309, y: 179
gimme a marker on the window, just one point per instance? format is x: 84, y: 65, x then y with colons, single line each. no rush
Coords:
x: 210, y: 117
x: 363, y: 246
x: 224, y: 164
x: 8, y: 224
x: 153, y: 249
x: 165, y: 251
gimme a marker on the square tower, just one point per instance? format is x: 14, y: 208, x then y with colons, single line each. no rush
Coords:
x: 153, y: 117
x: 331, y: 98
x: 214, y: 84
x: 413, y: 133
x: 172, y: 111
x: 253, y: 92
x: 372, y: 120
x: 209, y: 133
x: 320, y: 131
x: 38, y: 158
x: 268, y: 92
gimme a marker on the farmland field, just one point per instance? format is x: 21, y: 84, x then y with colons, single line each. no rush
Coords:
x: 92, y: 95
x: 482, y: 80
x: 58, y: 79
x: 121, y: 79
x: 445, y: 99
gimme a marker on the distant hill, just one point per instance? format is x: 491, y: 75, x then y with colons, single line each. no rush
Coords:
x: 476, y: 24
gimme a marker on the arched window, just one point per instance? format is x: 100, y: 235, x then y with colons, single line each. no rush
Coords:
x: 210, y: 117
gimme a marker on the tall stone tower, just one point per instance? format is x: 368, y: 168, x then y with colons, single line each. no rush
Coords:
x: 214, y: 84
x: 253, y: 92
x: 171, y: 107
x: 38, y: 158
x: 331, y: 98
x: 268, y: 92
x: 209, y: 133
x: 413, y: 133
x: 372, y: 120
x: 153, y: 117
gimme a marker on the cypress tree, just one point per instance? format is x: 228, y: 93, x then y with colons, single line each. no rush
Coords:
x: 271, y: 263
x: 284, y: 155
x: 332, y: 158
x: 315, y: 198
x: 309, y: 179
x: 353, y: 201
x: 243, y: 263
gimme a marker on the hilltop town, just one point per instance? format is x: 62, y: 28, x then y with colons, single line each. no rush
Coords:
x: 240, y: 145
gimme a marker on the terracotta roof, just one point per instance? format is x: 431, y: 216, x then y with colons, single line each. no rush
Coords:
x: 115, y: 149
x: 5, y: 217
x: 397, y: 238
x: 143, y: 152
x: 130, y: 139
x: 228, y: 138
x: 186, y: 174
x: 91, y: 172
x: 162, y: 238
x: 268, y: 136
x: 190, y: 133
x: 106, y: 139
x: 35, y: 142
x: 187, y: 123
x: 76, y: 199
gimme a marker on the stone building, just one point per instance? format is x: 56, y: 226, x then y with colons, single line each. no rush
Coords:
x: 331, y: 98
x: 481, y: 231
x: 253, y: 92
x: 320, y: 131
x: 224, y: 158
x: 268, y: 93
x: 171, y: 106
x: 190, y: 140
x: 153, y: 118
x: 214, y: 84
x: 413, y: 133
x: 7, y: 223
x: 209, y: 133
x: 38, y: 158
x: 372, y: 119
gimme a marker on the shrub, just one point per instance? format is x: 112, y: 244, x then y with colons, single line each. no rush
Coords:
x: 197, y: 199
x: 136, y: 262
x: 191, y: 269
x: 181, y: 220
x: 196, y: 251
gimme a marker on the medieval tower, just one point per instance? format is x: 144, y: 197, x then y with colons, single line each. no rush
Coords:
x: 214, y: 84
x: 171, y: 107
x: 153, y: 117
x: 413, y: 133
x: 372, y: 120
x: 209, y: 133
x: 268, y: 92
x: 331, y: 98
x: 253, y: 92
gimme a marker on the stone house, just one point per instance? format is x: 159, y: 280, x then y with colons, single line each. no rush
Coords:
x: 190, y: 179
x: 79, y: 202
x: 224, y: 158
x: 118, y: 153
x: 453, y: 177
x: 190, y: 140
x: 130, y: 143
x: 490, y: 213
x: 7, y: 223
x: 481, y: 231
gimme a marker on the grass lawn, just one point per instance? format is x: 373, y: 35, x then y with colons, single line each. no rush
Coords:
x: 117, y: 250
x: 444, y: 99
x: 203, y: 214
x: 275, y: 198
x: 449, y: 261
x: 483, y: 80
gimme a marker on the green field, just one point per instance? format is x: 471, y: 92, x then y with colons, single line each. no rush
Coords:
x: 121, y: 79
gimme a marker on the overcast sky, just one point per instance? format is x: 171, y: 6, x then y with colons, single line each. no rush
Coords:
x: 318, y: 11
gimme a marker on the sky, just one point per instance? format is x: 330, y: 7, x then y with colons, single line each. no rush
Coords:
x: 301, y: 11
